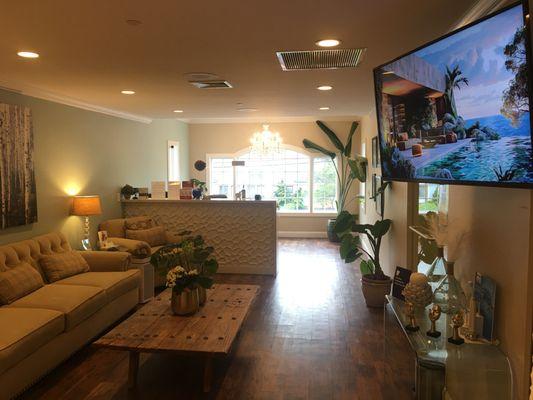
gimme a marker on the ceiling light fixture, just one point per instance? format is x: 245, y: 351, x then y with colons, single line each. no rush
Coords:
x: 178, y: 111
x: 28, y: 54
x: 325, y: 87
x: 265, y: 142
x: 246, y: 109
x: 324, y: 108
x: 328, y: 43
x: 127, y: 92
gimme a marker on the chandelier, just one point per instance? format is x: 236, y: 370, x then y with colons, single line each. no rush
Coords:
x: 265, y: 142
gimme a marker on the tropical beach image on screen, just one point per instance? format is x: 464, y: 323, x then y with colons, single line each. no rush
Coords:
x: 458, y: 109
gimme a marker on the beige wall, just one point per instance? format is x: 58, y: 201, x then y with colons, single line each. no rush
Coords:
x: 232, y: 137
x: 90, y: 153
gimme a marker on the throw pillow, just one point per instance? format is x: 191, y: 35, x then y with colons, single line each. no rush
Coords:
x: 62, y: 265
x: 18, y: 281
x: 138, y: 223
x: 154, y: 236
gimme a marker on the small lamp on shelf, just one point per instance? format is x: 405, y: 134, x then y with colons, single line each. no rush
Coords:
x: 85, y: 206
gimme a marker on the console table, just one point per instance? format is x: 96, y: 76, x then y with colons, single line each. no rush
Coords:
x: 243, y: 233
x: 442, y: 370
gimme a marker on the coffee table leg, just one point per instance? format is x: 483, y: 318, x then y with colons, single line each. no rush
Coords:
x: 208, y: 373
x: 134, y: 368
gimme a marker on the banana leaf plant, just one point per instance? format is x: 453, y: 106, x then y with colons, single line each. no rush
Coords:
x: 348, y: 166
x: 352, y: 248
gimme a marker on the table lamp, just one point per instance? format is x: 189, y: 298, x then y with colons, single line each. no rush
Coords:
x: 85, y: 206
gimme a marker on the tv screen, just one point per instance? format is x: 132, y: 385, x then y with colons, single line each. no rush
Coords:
x: 456, y: 111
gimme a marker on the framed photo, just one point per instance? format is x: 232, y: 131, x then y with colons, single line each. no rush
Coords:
x: 102, y: 239
x: 375, y: 152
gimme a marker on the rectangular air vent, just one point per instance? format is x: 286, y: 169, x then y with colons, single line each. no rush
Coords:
x: 319, y: 59
x: 211, y: 84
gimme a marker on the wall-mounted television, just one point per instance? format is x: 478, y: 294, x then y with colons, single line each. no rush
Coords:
x: 457, y: 110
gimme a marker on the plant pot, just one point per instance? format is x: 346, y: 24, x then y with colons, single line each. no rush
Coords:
x: 185, y: 303
x: 332, y: 236
x: 202, y: 295
x: 374, y: 290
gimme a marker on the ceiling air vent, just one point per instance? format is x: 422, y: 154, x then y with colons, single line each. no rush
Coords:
x: 319, y: 59
x: 211, y: 84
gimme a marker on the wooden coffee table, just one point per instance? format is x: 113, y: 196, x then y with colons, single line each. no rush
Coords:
x: 208, y: 333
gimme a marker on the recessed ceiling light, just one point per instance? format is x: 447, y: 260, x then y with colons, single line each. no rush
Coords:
x: 28, y: 54
x: 178, y: 111
x: 247, y: 109
x: 328, y: 43
x: 325, y: 87
x: 127, y: 92
x: 324, y: 108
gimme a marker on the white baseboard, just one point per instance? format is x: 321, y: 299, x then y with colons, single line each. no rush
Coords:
x: 302, y: 234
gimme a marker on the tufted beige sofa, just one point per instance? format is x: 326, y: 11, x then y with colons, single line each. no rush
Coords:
x: 43, y: 328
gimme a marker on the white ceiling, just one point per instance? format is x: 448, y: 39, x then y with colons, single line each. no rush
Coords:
x: 89, y: 53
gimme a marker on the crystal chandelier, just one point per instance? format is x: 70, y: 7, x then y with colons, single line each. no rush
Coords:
x: 265, y: 142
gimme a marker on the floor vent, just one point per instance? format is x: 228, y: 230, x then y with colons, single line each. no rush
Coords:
x: 212, y: 84
x: 319, y: 59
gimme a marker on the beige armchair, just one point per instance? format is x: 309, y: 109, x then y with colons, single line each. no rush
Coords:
x: 139, y: 236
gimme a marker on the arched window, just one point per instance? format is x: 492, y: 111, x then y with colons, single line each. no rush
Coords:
x: 299, y: 181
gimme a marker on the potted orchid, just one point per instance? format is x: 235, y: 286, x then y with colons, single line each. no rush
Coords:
x: 184, y: 285
x: 191, y: 254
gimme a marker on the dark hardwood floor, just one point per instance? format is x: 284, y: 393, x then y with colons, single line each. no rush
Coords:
x: 308, y: 336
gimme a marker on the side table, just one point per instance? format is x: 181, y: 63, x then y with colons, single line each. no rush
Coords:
x: 146, y: 289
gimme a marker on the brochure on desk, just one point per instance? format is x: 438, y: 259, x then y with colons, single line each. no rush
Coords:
x: 485, y: 295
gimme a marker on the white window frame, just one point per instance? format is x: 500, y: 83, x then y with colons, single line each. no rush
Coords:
x: 281, y: 213
x: 176, y: 144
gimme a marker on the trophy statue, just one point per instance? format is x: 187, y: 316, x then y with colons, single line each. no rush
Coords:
x: 457, y: 321
x: 434, y: 314
x: 410, y: 312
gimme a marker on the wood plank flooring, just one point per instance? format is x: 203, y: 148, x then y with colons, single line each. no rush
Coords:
x: 308, y: 336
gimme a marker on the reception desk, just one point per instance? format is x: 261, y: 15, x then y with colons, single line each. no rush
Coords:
x: 243, y: 233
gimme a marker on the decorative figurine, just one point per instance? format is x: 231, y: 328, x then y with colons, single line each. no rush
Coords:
x: 418, y: 291
x: 434, y: 314
x: 410, y: 312
x: 457, y: 321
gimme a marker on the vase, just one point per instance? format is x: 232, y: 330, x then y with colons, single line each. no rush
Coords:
x: 437, y: 269
x: 449, y: 295
x: 202, y: 295
x: 332, y: 236
x: 185, y: 303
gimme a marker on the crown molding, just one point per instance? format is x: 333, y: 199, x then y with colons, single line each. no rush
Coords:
x: 253, y: 120
x: 33, y: 91
x: 479, y: 10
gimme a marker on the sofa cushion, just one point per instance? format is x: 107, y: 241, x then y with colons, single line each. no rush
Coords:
x: 24, y: 330
x: 19, y: 281
x: 113, y: 227
x: 76, y: 302
x: 115, y: 284
x: 155, y: 236
x: 138, y: 223
x: 62, y: 265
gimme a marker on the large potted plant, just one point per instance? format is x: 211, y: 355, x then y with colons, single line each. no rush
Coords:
x: 348, y: 167
x: 375, y: 284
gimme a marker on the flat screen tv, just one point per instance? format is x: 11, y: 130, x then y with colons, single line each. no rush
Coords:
x: 456, y: 111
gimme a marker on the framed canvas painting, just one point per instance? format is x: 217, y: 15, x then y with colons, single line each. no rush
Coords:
x: 18, y: 197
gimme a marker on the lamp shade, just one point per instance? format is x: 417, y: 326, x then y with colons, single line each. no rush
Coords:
x: 86, y: 205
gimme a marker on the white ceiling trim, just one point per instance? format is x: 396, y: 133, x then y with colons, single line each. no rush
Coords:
x: 245, y: 120
x: 69, y: 101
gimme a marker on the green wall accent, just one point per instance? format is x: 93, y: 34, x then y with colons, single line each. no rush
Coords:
x: 92, y: 153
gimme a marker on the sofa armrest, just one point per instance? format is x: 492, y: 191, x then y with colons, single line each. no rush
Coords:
x: 136, y: 248
x: 174, y: 237
x: 106, y: 261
